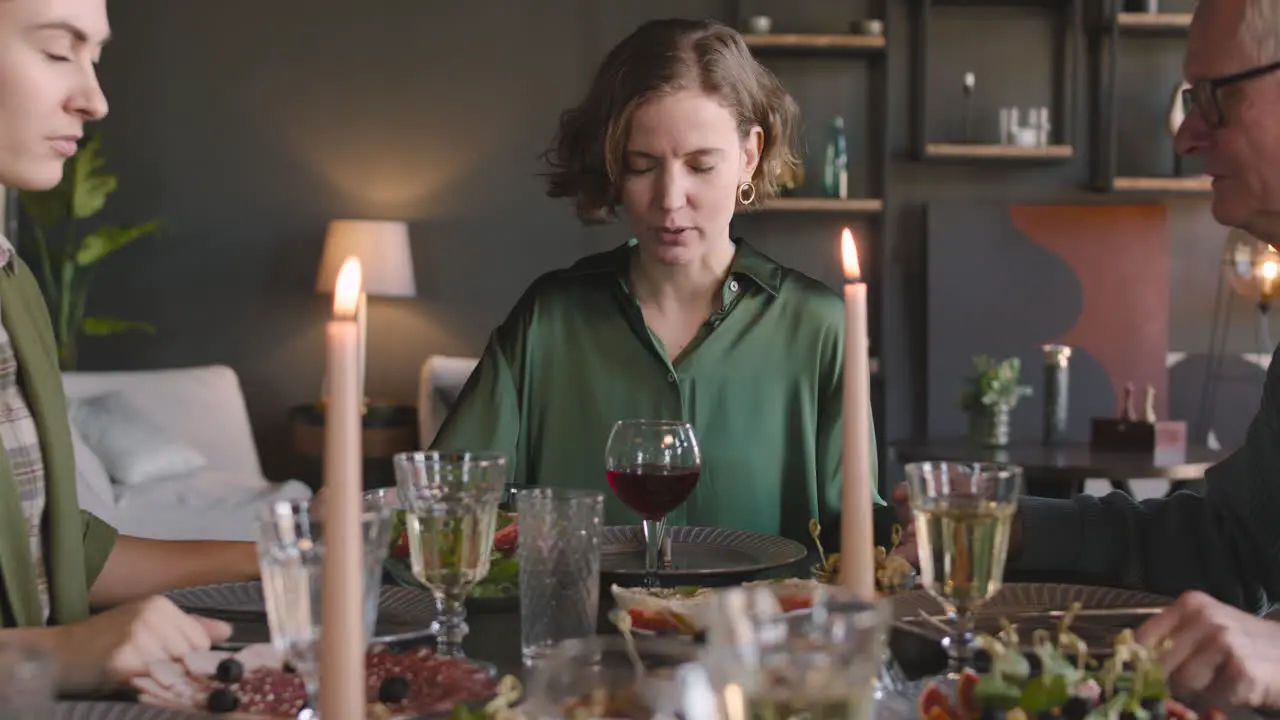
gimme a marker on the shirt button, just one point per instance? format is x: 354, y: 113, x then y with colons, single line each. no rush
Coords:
x: 733, y: 286
x: 671, y: 377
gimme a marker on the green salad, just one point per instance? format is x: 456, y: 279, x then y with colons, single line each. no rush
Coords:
x: 504, y: 569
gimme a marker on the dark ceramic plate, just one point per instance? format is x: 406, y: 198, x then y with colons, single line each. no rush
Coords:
x: 1032, y: 606
x: 698, y: 556
x: 404, y: 614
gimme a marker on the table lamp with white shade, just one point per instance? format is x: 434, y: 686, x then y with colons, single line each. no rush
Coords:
x: 386, y: 259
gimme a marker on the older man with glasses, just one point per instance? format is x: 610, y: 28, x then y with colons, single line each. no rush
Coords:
x: 1220, y: 552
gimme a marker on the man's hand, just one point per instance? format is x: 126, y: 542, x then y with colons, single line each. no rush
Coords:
x: 1215, y: 654
x: 111, y: 648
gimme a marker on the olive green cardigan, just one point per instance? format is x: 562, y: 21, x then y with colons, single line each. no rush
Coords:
x: 76, y: 544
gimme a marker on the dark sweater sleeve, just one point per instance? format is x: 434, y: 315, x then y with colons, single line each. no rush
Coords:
x: 1225, y: 542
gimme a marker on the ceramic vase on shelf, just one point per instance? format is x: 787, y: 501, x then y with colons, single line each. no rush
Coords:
x: 990, y: 428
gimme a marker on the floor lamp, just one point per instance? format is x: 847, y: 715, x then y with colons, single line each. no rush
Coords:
x: 387, y: 261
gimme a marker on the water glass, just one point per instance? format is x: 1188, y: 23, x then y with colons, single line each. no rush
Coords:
x: 559, y: 554
x: 822, y: 664
x: 597, y: 677
x: 27, y: 676
x: 963, y: 515
x: 291, y: 559
x: 451, y: 514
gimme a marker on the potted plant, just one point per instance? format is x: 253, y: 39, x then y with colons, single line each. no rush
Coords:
x: 66, y: 256
x: 988, y: 398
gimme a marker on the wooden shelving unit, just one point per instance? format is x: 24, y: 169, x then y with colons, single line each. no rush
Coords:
x: 853, y: 206
x: 992, y: 151
x: 1116, y: 26
x: 1153, y: 22
x: 1069, y: 56
x: 1193, y: 184
x: 816, y: 42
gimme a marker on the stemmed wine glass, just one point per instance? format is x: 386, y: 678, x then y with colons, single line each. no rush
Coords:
x: 653, y: 466
x: 451, y: 512
x: 963, y: 516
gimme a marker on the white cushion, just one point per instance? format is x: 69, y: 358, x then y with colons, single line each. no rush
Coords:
x: 201, y: 406
x: 439, y: 383
x: 205, y: 505
x: 132, y: 448
x: 93, y: 484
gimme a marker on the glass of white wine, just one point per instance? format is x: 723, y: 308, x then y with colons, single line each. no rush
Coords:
x: 963, y: 515
x: 451, y: 512
x: 820, y: 663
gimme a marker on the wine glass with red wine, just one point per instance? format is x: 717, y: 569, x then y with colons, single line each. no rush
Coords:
x: 653, y: 466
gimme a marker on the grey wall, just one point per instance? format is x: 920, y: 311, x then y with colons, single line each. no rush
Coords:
x: 249, y: 124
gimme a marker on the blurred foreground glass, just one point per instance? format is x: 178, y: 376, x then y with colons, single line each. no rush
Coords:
x: 559, y: 555
x: 653, y: 467
x: 963, y: 514
x: 451, y: 513
x: 595, y: 677
x: 291, y: 559
x: 821, y: 664
x: 27, y: 677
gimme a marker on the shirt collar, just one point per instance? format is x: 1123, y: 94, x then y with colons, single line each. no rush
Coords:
x: 7, y: 253
x: 747, y: 262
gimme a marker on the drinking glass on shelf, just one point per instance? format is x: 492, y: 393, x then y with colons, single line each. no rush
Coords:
x: 653, y: 467
x: 27, y: 676
x: 764, y: 662
x: 451, y: 513
x: 559, y: 555
x: 291, y: 547
x: 963, y: 515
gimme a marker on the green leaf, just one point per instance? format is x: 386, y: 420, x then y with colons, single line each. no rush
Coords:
x: 107, y: 240
x: 688, y: 590
x: 89, y: 186
x: 996, y: 692
x: 1043, y: 693
x: 103, y: 326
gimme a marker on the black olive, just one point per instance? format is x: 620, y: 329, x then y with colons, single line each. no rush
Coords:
x: 229, y: 671
x: 393, y: 690
x: 289, y: 668
x: 1128, y: 715
x: 223, y: 700
x: 982, y: 662
x: 1155, y: 706
x: 1034, y: 661
x: 990, y: 713
x: 1075, y: 708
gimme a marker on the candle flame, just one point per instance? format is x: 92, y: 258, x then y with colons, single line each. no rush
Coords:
x: 346, y: 292
x: 849, y: 255
x: 1270, y: 269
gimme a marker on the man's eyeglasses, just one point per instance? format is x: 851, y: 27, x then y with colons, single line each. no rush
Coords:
x: 1203, y: 95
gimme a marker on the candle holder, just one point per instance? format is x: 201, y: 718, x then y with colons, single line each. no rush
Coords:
x: 1057, y: 361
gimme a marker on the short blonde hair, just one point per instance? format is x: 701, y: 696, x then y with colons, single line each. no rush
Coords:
x: 666, y: 56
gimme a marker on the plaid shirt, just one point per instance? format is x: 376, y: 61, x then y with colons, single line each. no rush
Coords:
x: 21, y: 441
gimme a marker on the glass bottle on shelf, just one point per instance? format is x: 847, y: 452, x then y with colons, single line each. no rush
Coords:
x: 835, y: 179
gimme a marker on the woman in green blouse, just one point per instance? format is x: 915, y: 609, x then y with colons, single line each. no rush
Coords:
x: 55, y: 560
x: 680, y: 129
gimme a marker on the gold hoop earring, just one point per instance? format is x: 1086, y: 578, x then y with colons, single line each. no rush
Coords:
x: 746, y: 193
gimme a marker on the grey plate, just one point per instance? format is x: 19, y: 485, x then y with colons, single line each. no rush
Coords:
x: 1028, y: 605
x: 697, y: 553
x: 403, y: 613
x: 101, y: 710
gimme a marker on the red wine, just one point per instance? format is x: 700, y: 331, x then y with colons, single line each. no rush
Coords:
x: 653, y: 490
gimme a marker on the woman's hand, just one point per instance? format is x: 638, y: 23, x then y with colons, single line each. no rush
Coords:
x: 113, y: 647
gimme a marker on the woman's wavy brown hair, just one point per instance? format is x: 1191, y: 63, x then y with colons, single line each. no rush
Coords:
x: 660, y: 57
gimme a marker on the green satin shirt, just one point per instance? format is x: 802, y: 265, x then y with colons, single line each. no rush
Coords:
x: 760, y: 383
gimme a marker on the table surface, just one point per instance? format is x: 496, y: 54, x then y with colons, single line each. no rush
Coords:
x: 1068, y: 461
